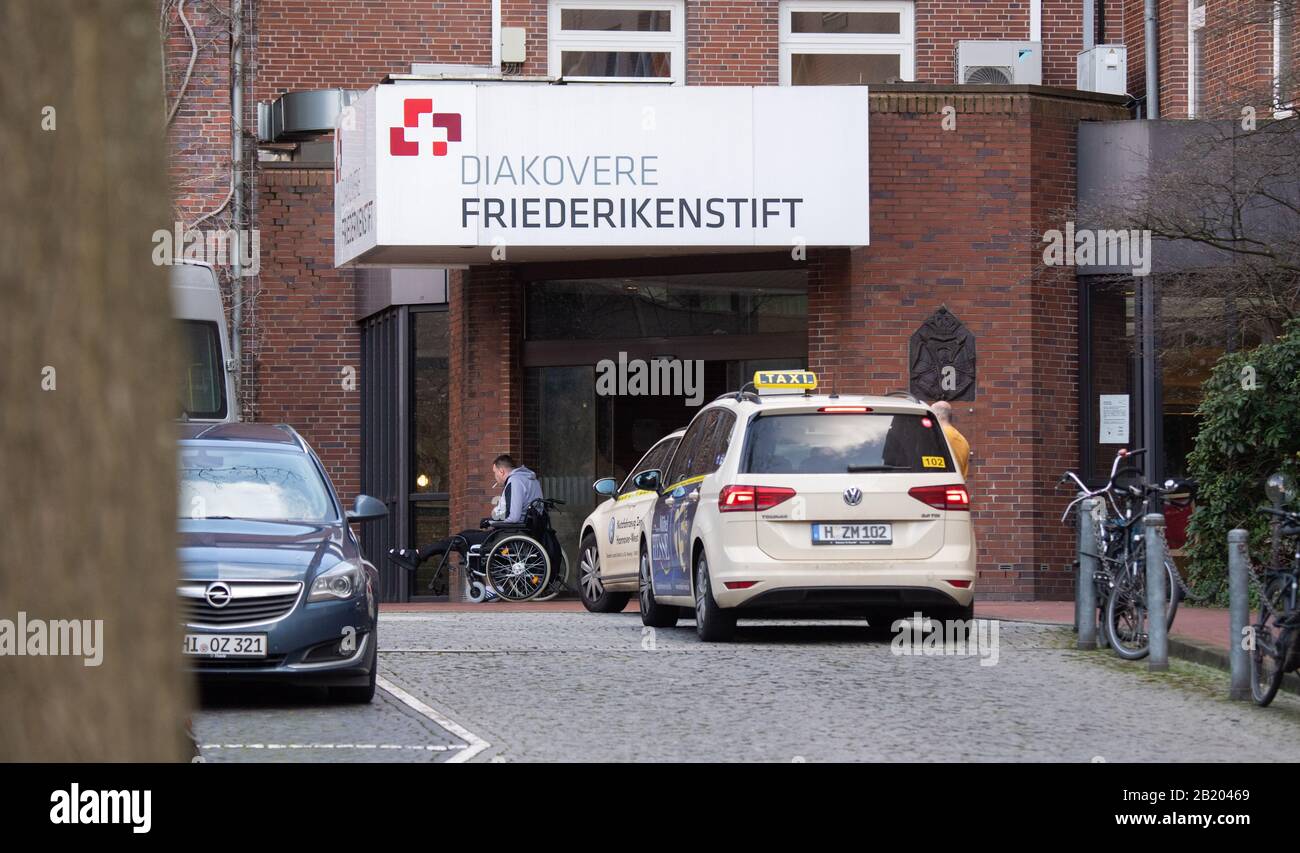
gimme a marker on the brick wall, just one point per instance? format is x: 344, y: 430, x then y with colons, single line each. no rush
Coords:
x: 304, y: 323
x: 485, y: 333
x: 732, y: 42
x: 199, y: 135
x: 1237, y: 54
x: 355, y: 43
x: 531, y: 15
x: 954, y: 222
x: 1238, y: 47
x: 941, y: 24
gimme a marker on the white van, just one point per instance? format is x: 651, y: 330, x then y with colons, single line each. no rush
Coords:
x: 207, y: 393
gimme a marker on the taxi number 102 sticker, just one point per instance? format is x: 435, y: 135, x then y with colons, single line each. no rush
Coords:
x: 933, y: 462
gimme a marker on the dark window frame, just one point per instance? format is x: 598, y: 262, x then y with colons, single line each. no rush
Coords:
x: 215, y: 341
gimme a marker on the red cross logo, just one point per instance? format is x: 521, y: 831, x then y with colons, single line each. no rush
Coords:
x: 412, y: 109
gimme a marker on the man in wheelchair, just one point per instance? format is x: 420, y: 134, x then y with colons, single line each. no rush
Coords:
x: 522, y: 551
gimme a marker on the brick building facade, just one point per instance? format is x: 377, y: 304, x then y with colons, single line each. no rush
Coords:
x: 955, y: 214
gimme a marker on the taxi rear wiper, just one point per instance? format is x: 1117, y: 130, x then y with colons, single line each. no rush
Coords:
x: 862, y: 469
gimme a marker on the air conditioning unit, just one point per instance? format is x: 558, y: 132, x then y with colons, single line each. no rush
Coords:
x: 1004, y: 63
x: 1104, y: 68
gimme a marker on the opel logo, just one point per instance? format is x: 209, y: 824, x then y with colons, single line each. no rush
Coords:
x: 217, y: 594
x: 853, y: 496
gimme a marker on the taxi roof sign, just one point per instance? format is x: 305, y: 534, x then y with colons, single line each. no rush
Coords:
x: 784, y: 381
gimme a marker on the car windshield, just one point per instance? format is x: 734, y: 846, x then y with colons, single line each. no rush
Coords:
x: 824, y: 443
x: 263, y: 485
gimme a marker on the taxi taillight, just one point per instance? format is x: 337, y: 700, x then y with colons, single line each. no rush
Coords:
x: 752, y: 498
x: 943, y: 497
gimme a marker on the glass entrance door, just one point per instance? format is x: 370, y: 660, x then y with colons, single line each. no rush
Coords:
x: 576, y: 432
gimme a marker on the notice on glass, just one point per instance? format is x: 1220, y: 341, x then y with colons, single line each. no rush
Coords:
x: 1114, y: 419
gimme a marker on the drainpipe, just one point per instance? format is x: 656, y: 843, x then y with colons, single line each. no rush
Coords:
x: 496, y: 34
x: 1035, y: 20
x: 1152, y: 57
x: 237, y: 166
x: 1089, y: 24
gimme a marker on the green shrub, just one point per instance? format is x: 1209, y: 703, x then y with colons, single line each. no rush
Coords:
x: 1245, y: 435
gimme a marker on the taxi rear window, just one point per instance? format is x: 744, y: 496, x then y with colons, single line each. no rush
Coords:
x: 825, y: 443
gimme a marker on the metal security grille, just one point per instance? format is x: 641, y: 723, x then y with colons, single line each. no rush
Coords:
x: 384, y: 439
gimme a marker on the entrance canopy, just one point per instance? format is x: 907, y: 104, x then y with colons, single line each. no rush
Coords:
x: 452, y: 173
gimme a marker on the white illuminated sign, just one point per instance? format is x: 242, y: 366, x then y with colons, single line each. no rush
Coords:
x: 444, y: 173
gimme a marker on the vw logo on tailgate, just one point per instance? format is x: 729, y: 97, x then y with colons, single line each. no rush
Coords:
x: 853, y: 496
x: 217, y: 594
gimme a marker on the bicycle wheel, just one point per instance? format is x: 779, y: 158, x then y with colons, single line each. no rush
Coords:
x: 1272, y: 643
x: 1174, y: 588
x: 1126, y: 609
x: 1126, y: 618
x: 518, y: 567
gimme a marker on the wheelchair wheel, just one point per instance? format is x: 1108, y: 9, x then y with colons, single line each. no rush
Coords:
x: 556, y: 585
x: 518, y: 567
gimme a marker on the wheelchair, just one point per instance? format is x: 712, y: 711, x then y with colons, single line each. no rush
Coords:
x: 517, y: 562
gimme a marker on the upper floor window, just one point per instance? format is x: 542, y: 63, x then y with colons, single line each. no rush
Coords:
x: 1284, y: 76
x: 602, y: 40
x: 1195, y: 59
x: 846, y: 42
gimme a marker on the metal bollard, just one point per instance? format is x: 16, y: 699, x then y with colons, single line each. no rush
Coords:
x: 1238, y: 614
x: 1085, y: 592
x: 1157, y: 594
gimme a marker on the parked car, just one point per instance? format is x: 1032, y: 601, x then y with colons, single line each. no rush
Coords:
x: 608, y: 546
x: 207, y: 389
x: 273, y: 583
x: 802, y: 504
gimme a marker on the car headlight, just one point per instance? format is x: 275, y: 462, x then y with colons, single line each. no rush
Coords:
x: 341, y: 582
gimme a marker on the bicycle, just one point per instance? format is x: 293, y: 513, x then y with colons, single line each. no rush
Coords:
x: 1275, y: 651
x: 1126, y: 608
x: 1120, y: 578
x: 1108, y: 534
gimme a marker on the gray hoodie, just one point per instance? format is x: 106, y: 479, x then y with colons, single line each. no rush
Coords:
x: 521, y: 489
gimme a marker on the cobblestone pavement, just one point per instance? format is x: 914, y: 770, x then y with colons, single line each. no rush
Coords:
x: 585, y: 687
x: 239, y: 723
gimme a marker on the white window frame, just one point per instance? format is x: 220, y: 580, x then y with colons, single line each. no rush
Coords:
x: 1280, y: 109
x: 1195, y: 22
x: 902, y: 45
x: 672, y: 42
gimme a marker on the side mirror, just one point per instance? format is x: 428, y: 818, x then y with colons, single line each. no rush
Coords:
x: 647, y: 481
x: 366, y: 508
x: 608, y: 487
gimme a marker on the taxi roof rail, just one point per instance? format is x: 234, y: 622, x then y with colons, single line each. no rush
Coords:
x: 746, y: 392
x: 738, y: 396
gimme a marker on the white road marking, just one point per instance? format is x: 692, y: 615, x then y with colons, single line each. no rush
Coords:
x: 422, y: 747
x: 636, y: 648
x: 475, y: 744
